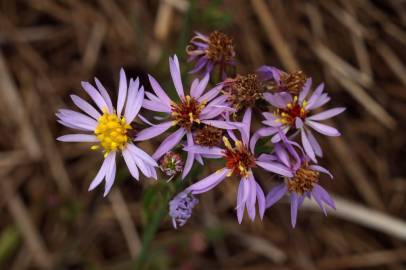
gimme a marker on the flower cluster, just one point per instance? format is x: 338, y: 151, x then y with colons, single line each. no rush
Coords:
x: 212, y: 120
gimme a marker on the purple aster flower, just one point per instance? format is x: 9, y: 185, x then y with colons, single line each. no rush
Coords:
x: 180, y: 208
x: 109, y: 129
x: 217, y: 49
x: 295, y: 112
x: 302, y: 183
x: 192, y: 112
x: 240, y: 160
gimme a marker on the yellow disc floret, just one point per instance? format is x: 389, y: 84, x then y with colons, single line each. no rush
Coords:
x: 111, y: 132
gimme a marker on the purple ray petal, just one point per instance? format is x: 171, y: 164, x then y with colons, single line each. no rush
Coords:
x: 110, y: 174
x: 159, y: 91
x: 101, y: 173
x: 85, y: 107
x: 131, y: 164
x: 155, y: 106
x: 313, y: 142
x: 282, y: 155
x: 262, y: 132
x: 275, y: 168
x: 276, y: 194
x: 170, y: 142
x: 221, y: 124
x: 307, y: 146
x: 78, y: 138
x: 261, y: 201
x: 294, y: 203
x: 95, y: 95
x: 175, y: 73
x: 240, y: 210
x: 326, y: 114
x: 190, y: 156
x: 208, y: 96
x: 208, y: 183
x: 321, y: 169
x: 317, y: 197
x: 205, y: 150
x: 305, y: 90
x: 153, y: 131
x: 142, y: 155
x: 105, y: 95
x: 325, y: 196
x: 323, y: 129
x: 200, y: 87
x: 144, y: 168
x: 246, y: 121
x: 316, y: 94
x: 122, y: 92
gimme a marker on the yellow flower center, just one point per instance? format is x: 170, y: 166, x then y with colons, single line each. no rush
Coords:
x: 111, y: 132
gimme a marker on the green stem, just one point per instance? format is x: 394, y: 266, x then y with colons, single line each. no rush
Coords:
x: 149, y: 235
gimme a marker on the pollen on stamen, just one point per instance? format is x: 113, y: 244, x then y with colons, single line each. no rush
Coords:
x: 239, y: 160
x: 187, y: 112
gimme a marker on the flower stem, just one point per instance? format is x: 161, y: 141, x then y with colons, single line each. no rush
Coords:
x: 149, y: 235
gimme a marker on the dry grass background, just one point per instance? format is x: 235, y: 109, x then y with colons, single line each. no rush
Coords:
x: 48, y: 220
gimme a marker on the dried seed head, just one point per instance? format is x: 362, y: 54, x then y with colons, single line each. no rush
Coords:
x: 289, y: 82
x: 243, y: 91
x: 221, y: 47
x: 303, y: 180
x: 208, y: 136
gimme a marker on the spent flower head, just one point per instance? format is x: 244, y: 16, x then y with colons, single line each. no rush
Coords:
x: 209, y: 52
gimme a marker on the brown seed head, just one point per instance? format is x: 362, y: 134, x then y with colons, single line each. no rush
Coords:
x: 208, y: 136
x: 221, y: 47
x: 303, y: 181
x: 243, y: 91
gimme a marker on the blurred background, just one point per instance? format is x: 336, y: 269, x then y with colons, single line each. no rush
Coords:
x: 48, y: 219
